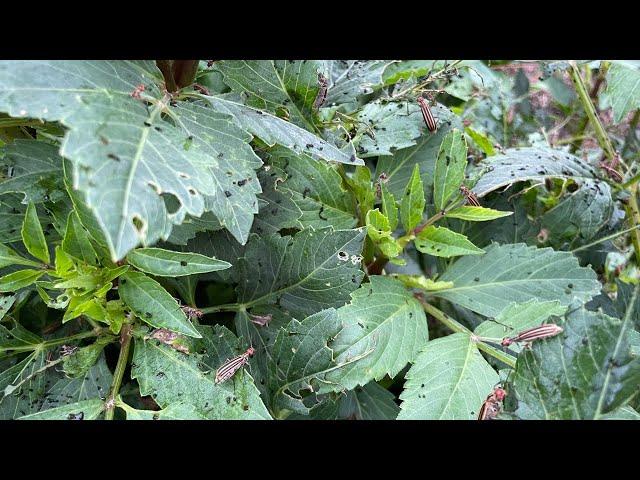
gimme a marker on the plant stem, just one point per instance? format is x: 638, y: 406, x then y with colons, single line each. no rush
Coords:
x: 228, y: 307
x: 587, y: 104
x: 458, y: 327
x: 604, y: 239
x: 54, y: 342
x: 125, y: 344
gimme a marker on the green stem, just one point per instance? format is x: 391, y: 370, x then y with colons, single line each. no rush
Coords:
x: 634, y: 215
x: 587, y: 104
x: 458, y: 327
x: 604, y: 239
x: 228, y: 307
x: 125, y: 344
x: 53, y: 342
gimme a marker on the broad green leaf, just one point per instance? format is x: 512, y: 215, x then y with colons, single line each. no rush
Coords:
x: 408, y: 69
x: 302, y: 274
x: 622, y: 413
x: 450, y: 165
x: 222, y: 246
x: 517, y: 273
x: 273, y: 130
x: 623, y: 89
x: 399, y: 167
x: 518, y: 317
x: 449, y: 380
x: 413, y: 201
x: 85, y: 410
x: 371, y: 402
x: 149, y: 159
x: 78, y: 363
x: 12, y: 213
x: 301, y: 359
x: 231, y: 166
x: 276, y: 85
x: 171, y: 377
x: 316, y: 188
x: 175, y: 411
x: 13, y: 282
x: 581, y: 215
x: 476, y: 214
x: 278, y: 210
x: 33, y: 236
x: 583, y: 373
x: 531, y: 163
x: 384, y: 319
x: 442, y: 242
x: 10, y: 257
x: 389, y: 207
x: 481, y: 141
x: 350, y: 79
x: 166, y: 263
x: 76, y: 241
x: 627, y: 303
x: 153, y: 304
x: 36, y: 171
x: 385, y: 127
x: 419, y: 281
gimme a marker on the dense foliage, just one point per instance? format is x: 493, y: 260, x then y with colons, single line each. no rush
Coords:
x: 307, y: 240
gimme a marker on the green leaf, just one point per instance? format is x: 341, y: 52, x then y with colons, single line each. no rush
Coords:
x: 273, y: 130
x: 622, y: 413
x: 232, y: 174
x: 481, y: 140
x: 6, y: 302
x: 350, y: 79
x: 580, y: 215
x: 371, y: 402
x: 518, y: 317
x: 171, y: 377
x: 175, y: 411
x: 389, y: 207
x: 166, y: 263
x: 442, y: 242
x: 13, y: 282
x: 276, y: 85
x: 399, y: 167
x: 33, y: 236
x: 583, y: 373
x: 300, y: 360
x: 623, y: 88
x: 278, y: 210
x: 450, y: 165
x: 408, y: 69
x: 153, y: 304
x: 76, y: 241
x: 379, y: 231
x: 302, y: 274
x: 517, y: 273
x: 449, y: 380
x: 384, y: 319
x: 316, y: 188
x: 10, y: 257
x: 384, y: 127
x: 476, y: 214
x: 531, y: 163
x: 78, y: 363
x: 413, y: 201
x: 36, y: 171
x: 87, y: 410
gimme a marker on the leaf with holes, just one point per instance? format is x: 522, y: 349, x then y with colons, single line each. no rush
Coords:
x: 303, y: 274
x: 450, y: 165
x: 349, y: 79
x: 584, y: 373
x: 153, y: 304
x: 506, y: 274
x: 449, y: 380
x: 166, y: 263
x: 171, y: 377
x: 385, y: 325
